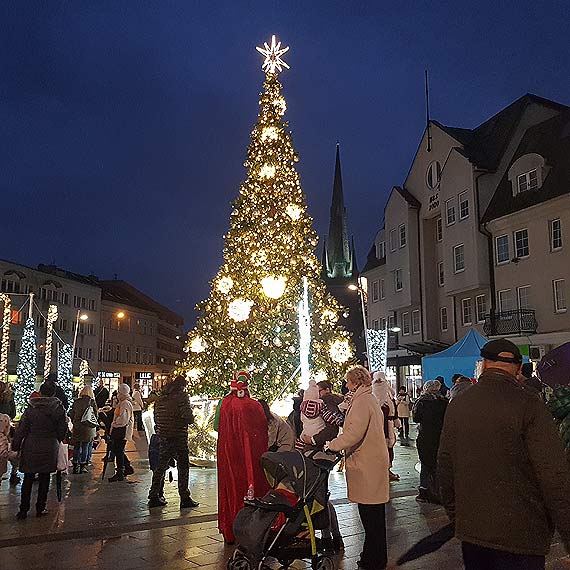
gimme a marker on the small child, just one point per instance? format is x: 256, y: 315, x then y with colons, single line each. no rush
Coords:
x: 311, y: 418
x: 6, y: 455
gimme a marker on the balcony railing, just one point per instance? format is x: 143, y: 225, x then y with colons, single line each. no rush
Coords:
x: 507, y: 323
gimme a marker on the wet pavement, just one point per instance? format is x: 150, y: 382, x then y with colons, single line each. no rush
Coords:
x: 103, y: 526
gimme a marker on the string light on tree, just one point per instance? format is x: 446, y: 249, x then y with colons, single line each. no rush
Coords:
x: 5, y: 346
x: 51, y: 318
x: 267, y: 171
x: 340, y: 351
x: 269, y: 134
x: 198, y: 344
x: 294, y: 212
x: 64, y: 370
x: 225, y: 284
x: 26, y: 370
x: 83, y: 371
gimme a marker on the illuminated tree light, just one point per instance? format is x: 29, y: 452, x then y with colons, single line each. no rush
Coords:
x: 64, y: 370
x: 225, y: 284
x: 294, y: 212
x: 198, y: 344
x: 273, y: 55
x: 267, y: 171
x: 340, y: 351
x: 239, y: 309
x: 51, y: 318
x: 5, y: 346
x: 269, y: 134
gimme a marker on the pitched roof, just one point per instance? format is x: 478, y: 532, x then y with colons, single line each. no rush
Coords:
x: 372, y: 261
x: 120, y: 292
x: 408, y: 197
x: 486, y: 144
x: 551, y: 140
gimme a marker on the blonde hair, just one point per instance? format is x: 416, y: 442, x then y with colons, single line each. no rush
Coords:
x: 359, y: 375
x: 87, y: 391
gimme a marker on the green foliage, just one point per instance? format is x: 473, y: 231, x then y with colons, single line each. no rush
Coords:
x: 26, y: 370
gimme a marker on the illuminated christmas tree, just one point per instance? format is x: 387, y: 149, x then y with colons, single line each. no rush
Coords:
x: 251, y: 320
x: 26, y: 370
x: 64, y: 370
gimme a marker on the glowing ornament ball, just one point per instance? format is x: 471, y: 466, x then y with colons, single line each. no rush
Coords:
x: 198, y: 344
x: 225, y: 284
x: 239, y: 309
x: 293, y: 211
x: 340, y: 351
x: 267, y: 171
x: 273, y: 287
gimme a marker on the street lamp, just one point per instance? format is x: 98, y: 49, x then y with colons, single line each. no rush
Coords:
x: 120, y: 315
x: 363, y: 299
x: 79, y: 317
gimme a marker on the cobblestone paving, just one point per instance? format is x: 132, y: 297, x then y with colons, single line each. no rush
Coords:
x: 102, y: 526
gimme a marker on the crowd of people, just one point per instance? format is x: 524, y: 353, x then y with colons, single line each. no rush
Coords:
x: 489, y: 451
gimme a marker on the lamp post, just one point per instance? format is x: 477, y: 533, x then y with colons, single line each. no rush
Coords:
x: 78, y: 317
x: 119, y: 315
x: 363, y: 301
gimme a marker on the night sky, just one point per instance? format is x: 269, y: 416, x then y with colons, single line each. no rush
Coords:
x: 124, y: 125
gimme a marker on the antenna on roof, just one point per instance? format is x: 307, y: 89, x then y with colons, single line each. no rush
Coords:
x: 428, y: 126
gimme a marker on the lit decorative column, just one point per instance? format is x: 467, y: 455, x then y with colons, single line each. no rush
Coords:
x: 51, y: 318
x: 304, y: 334
x: 5, y: 346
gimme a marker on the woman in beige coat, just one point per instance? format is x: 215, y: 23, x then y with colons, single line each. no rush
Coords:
x: 366, y: 466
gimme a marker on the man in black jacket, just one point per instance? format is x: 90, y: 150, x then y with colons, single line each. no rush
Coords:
x: 503, y: 475
x: 51, y: 378
x: 172, y: 416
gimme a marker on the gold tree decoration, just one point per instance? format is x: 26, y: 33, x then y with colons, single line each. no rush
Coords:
x: 250, y: 320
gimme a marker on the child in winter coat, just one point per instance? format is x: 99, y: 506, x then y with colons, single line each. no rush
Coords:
x: 6, y: 455
x: 311, y: 414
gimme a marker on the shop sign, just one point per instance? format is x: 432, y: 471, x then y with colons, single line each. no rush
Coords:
x: 144, y: 375
x: 109, y: 374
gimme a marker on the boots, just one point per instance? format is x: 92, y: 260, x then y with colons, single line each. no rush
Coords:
x: 75, y: 468
x: 83, y: 468
x: 118, y: 476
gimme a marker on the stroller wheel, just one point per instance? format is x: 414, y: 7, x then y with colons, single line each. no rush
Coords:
x: 324, y: 563
x: 239, y: 561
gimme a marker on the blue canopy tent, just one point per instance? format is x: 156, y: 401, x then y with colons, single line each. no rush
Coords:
x: 459, y: 358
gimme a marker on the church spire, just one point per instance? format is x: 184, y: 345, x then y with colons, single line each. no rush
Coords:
x: 339, y: 253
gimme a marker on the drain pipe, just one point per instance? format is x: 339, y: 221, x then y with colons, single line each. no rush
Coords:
x: 490, y: 255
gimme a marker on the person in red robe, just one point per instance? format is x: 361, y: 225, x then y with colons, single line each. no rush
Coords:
x: 242, y: 440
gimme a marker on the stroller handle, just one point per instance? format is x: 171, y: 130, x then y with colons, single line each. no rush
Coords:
x: 311, y: 454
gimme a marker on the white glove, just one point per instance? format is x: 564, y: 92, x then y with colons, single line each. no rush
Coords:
x: 326, y: 446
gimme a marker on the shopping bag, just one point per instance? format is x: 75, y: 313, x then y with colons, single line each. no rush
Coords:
x: 62, y: 457
x: 89, y: 418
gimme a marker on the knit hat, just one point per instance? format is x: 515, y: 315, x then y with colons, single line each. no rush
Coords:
x: 124, y: 389
x: 493, y: 348
x: 378, y: 376
x: 4, y: 424
x: 241, y: 380
x: 312, y: 392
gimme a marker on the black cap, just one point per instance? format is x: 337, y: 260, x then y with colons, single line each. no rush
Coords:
x: 493, y: 348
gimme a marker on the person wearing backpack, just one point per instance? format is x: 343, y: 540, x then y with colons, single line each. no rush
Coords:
x: 83, y: 414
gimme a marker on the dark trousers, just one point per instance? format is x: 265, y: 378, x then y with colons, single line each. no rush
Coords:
x: 117, y: 452
x: 43, y: 488
x: 405, y: 429
x: 178, y: 449
x: 481, y: 558
x: 138, y: 420
x: 374, y: 554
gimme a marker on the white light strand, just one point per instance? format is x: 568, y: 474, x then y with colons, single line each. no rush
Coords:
x: 26, y: 370
x: 5, y: 336
x: 64, y: 370
x: 51, y: 318
x: 377, y: 349
x: 304, y: 334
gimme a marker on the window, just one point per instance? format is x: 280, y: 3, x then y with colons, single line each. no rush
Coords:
x: 459, y: 258
x: 466, y: 311
x: 392, y: 240
x: 555, y: 235
x: 416, y: 322
x: 375, y: 324
x: 91, y: 304
x: 391, y: 321
x: 9, y: 286
x: 439, y: 229
x: 63, y: 325
x: 109, y: 352
x: 502, y: 249
x: 521, y: 243
x: 405, y: 323
x: 128, y: 354
x: 381, y: 250
x: 48, y: 294
x: 89, y: 353
x: 382, y: 323
x: 402, y: 235
x: 83, y: 303
x: 523, y: 297
x: 463, y: 206
x: 137, y: 355
x: 382, y: 289
x: 375, y: 291
x: 433, y: 175
x: 481, y: 308
x: 118, y: 353
x: 398, y: 285
x: 443, y: 318
x: 559, y: 287
x: 78, y: 353
x: 76, y: 301
x: 65, y: 298
x: 440, y: 274
x: 450, y: 212
x: 40, y: 322
x: 15, y: 317
x: 527, y: 181
x: 505, y: 298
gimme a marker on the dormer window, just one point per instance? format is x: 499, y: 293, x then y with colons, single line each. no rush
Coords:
x: 527, y: 181
x: 528, y: 173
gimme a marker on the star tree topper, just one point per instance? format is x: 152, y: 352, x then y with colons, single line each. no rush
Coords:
x: 273, y: 55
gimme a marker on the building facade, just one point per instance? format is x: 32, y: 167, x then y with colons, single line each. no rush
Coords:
x: 477, y: 195
x: 124, y: 335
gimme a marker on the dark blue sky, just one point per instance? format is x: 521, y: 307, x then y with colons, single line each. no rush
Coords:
x: 124, y: 125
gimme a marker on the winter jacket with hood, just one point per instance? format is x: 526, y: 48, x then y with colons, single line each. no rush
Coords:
x: 173, y: 412
x: 42, y: 427
x: 504, y: 479
x: 429, y: 412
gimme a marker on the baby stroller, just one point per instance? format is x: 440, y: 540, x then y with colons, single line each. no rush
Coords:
x: 282, y: 524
